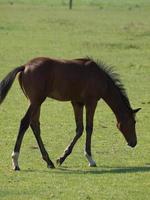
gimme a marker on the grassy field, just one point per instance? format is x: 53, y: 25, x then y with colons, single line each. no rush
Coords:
x: 116, y: 32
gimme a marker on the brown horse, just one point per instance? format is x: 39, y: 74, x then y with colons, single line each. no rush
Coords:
x: 83, y: 82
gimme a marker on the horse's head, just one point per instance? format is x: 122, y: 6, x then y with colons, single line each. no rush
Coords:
x: 127, y: 127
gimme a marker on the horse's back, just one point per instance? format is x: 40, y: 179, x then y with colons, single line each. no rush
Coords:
x: 59, y: 79
x: 73, y: 80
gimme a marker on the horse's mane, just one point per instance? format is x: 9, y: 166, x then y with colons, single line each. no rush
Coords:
x: 114, y: 78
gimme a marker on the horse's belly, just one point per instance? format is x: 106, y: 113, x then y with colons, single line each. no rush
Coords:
x: 65, y: 95
x: 56, y: 95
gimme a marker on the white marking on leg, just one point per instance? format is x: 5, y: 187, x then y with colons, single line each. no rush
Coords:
x: 15, y: 156
x: 92, y: 163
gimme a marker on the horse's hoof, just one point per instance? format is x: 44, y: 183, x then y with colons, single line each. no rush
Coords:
x: 51, y: 166
x: 59, y: 161
x: 92, y: 164
x: 16, y: 168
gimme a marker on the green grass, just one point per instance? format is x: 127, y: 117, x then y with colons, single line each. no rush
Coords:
x: 116, y: 32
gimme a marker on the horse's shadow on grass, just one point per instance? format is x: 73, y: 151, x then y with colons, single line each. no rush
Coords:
x: 106, y: 170
x: 96, y: 170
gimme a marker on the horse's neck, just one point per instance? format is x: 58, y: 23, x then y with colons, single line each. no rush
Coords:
x: 115, y: 102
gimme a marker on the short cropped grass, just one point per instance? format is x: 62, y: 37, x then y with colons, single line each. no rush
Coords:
x: 116, y: 32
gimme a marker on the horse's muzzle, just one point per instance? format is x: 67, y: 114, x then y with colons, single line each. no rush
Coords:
x: 132, y: 144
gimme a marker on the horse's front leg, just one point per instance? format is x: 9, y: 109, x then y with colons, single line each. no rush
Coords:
x: 90, y: 110
x: 87, y: 152
x: 78, y: 112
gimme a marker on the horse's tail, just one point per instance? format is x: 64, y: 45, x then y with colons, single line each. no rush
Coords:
x: 7, y: 82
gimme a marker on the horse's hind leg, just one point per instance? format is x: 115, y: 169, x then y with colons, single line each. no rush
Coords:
x: 35, y: 125
x: 24, y: 124
x: 78, y: 112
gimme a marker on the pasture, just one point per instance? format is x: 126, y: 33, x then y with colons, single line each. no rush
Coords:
x: 116, y: 32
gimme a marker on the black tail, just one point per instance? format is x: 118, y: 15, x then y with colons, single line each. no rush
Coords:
x: 7, y: 82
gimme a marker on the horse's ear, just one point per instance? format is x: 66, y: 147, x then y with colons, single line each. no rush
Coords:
x: 136, y: 110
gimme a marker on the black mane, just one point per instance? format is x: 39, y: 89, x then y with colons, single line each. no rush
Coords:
x: 115, y: 79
